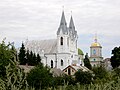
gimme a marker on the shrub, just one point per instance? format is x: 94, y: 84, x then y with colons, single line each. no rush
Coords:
x: 39, y: 77
x: 83, y: 77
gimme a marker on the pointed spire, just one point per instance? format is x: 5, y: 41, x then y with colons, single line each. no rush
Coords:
x: 63, y: 21
x: 71, y: 25
x: 63, y: 25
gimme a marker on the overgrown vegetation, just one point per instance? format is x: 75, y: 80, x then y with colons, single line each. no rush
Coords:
x: 40, y: 78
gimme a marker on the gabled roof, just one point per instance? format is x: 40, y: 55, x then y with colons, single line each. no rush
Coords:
x: 42, y: 46
x: 76, y: 68
x: 56, y: 72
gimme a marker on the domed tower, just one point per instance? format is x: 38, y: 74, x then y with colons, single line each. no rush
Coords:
x: 95, y: 53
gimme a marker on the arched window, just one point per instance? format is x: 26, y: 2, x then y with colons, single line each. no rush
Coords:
x: 61, y: 40
x: 51, y: 63
x: 61, y: 62
x: 94, y: 52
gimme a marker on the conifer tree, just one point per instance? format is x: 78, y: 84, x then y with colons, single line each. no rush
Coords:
x: 34, y: 59
x: 38, y: 59
x: 31, y: 58
x: 87, y: 62
x: 27, y: 57
x: 22, y: 55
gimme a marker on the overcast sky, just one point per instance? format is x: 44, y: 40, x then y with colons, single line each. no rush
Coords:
x: 40, y: 19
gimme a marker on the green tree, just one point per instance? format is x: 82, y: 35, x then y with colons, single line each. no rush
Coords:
x: 22, y: 55
x: 7, y: 53
x: 34, y: 60
x: 31, y: 62
x: 39, y: 77
x: 100, y: 73
x: 116, y: 74
x: 38, y: 59
x: 83, y: 77
x: 27, y: 56
x: 87, y: 62
x: 115, y: 59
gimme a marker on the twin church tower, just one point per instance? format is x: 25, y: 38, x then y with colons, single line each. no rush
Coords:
x: 60, y: 52
x: 67, y: 37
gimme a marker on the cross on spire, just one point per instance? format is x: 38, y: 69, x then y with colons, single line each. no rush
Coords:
x: 96, y: 38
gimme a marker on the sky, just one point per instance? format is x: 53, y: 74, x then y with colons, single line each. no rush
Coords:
x: 40, y: 19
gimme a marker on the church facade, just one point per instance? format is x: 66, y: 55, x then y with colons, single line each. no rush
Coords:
x: 60, y: 52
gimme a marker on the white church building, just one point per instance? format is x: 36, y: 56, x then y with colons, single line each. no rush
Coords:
x: 60, y: 52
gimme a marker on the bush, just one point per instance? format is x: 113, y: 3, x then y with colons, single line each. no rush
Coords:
x: 39, y: 77
x: 83, y: 77
x: 101, y: 74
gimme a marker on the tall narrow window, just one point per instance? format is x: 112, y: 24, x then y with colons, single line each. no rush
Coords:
x: 76, y: 43
x: 61, y: 62
x: 68, y: 41
x: 51, y: 63
x: 94, y: 52
x: 61, y: 40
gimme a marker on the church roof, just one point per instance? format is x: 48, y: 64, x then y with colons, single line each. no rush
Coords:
x: 83, y: 68
x: 95, y: 44
x: 80, y: 52
x: 71, y: 25
x: 63, y: 21
x: 63, y: 25
x: 42, y: 46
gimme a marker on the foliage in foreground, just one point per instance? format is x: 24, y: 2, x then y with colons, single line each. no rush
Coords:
x: 39, y: 77
x: 7, y: 54
x: 13, y: 78
x: 83, y: 77
x: 100, y: 74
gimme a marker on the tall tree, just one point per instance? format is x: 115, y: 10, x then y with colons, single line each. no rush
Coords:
x: 115, y: 58
x: 7, y: 55
x: 38, y: 59
x: 87, y: 62
x: 27, y: 57
x: 34, y: 59
x: 31, y: 58
x: 11, y: 76
x: 22, y: 55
